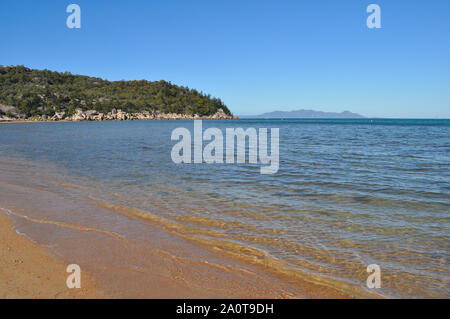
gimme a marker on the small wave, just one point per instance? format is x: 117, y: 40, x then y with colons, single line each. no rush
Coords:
x: 65, y: 225
x: 224, y: 244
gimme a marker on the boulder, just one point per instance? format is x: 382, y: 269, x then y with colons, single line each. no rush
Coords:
x: 121, y: 116
x: 90, y: 115
x: 79, y: 115
x: 58, y: 116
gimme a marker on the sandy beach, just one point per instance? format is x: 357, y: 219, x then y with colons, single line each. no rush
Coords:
x: 120, y: 256
x: 31, y: 271
x: 28, y: 270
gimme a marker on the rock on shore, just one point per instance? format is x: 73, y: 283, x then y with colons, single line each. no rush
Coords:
x: 119, y: 115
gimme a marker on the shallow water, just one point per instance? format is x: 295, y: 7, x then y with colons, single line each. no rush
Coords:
x: 348, y: 193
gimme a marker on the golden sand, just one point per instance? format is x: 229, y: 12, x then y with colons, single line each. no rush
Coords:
x: 28, y: 270
x: 121, y: 254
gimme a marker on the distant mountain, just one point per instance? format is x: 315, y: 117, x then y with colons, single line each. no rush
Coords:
x: 306, y: 114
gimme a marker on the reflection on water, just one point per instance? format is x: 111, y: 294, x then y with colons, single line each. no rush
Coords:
x: 348, y: 193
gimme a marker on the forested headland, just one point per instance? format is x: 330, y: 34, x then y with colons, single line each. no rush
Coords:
x: 27, y: 93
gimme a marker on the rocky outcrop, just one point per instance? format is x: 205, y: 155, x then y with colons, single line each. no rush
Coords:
x: 4, y: 118
x: 114, y: 115
x: 8, y: 109
x: 220, y: 114
x: 119, y: 115
x: 58, y: 116
x: 9, y: 113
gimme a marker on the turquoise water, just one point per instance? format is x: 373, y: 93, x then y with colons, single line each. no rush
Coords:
x: 348, y: 193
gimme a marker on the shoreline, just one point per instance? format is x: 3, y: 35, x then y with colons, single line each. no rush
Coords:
x: 80, y: 121
x: 115, y: 115
x: 154, y: 264
x: 129, y: 252
x: 85, y: 121
x: 30, y: 271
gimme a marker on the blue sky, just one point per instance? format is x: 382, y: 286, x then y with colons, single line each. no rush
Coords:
x: 257, y: 56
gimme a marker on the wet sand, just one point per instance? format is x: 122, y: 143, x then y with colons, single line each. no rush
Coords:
x: 126, y: 268
x: 28, y: 270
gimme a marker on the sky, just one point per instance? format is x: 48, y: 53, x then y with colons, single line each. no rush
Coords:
x: 257, y: 56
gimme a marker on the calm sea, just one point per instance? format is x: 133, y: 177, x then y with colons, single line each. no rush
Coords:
x: 349, y: 193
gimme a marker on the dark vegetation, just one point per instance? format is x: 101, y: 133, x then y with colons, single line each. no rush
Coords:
x: 43, y: 92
